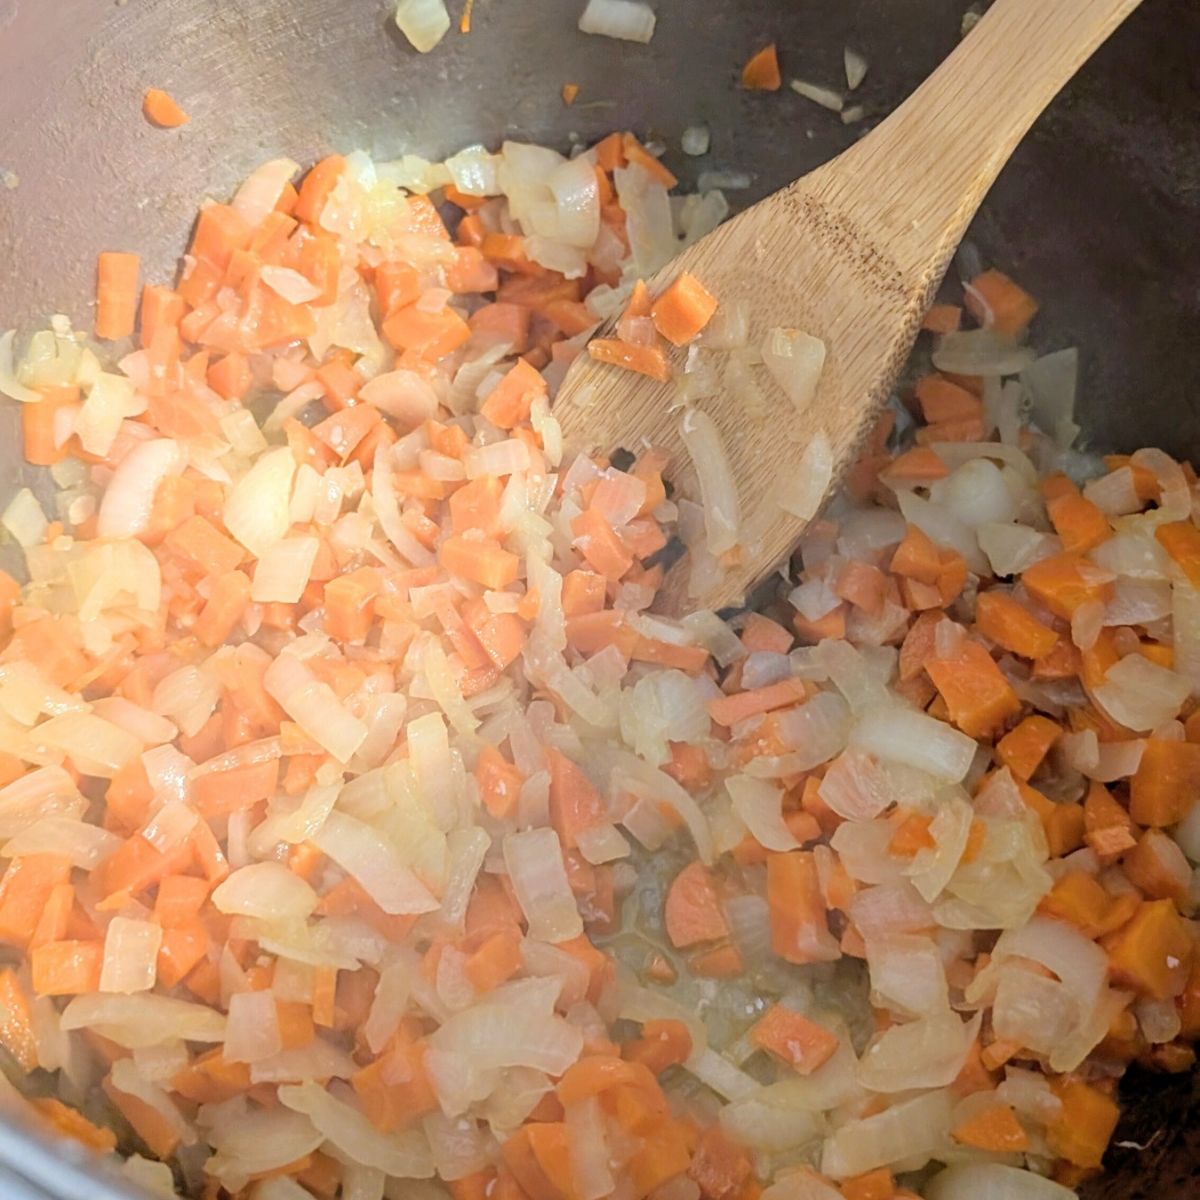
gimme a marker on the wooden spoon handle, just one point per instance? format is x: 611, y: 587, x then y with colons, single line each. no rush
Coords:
x: 929, y: 165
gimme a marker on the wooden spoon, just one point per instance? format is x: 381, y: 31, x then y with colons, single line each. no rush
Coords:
x: 851, y: 254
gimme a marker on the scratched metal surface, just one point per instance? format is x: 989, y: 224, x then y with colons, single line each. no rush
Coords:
x: 1099, y: 212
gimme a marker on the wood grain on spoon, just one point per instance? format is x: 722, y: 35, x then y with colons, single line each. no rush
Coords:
x: 851, y: 254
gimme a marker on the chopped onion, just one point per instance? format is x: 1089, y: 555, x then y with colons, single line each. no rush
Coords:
x: 803, y: 493
x: 283, y: 569
x: 759, y: 805
x: 364, y: 853
x: 256, y: 512
x: 94, y: 745
x: 856, y: 67
x: 1050, y: 384
x: 825, y: 97
x: 695, y: 140
x: 718, y: 490
x: 144, y: 1019
x: 906, y: 736
x: 423, y: 22
x: 908, y: 1132
x: 266, y: 890
x: 627, y: 20
x: 129, y: 498
x: 24, y: 519
x: 130, y: 955
x: 313, y: 705
x: 84, y: 845
x: 1139, y: 694
x: 993, y: 1181
x: 926, y: 1053
x: 980, y: 352
x: 353, y: 1138
x: 795, y: 360
x: 9, y: 384
x: 252, y: 1032
x: 535, y: 866
x: 258, y: 196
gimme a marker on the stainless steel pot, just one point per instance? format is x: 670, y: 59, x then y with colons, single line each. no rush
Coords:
x: 1099, y: 212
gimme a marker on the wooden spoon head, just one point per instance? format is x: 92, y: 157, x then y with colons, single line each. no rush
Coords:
x: 799, y: 260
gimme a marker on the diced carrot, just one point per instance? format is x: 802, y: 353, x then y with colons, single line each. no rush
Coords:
x: 43, y: 438
x: 918, y: 465
x: 476, y: 505
x: 662, y: 1044
x: 16, y: 1021
x: 538, y: 1155
x: 350, y: 604
x: 227, y: 601
x: 1023, y: 748
x: 482, y: 559
x: 1158, y: 868
x: 720, y: 1167
x: 582, y: 592
x: 54, y: 923
x: 162, y: 109
x: 976, y: 693
x: 998, y: 303
x: 498, y: 959
x: 198, y: 540
x: 1079, y: 898
x: 1153, y: 952
x: 799, y: 921
x: 635, y: 152
x: 575, y: 805
x: 218, y: 793
x: 729, y: 710
x: 879, y: 1184
x: 645, y: 360
x: 995, y: 1129
x: 316, y: 188
x: 179, y: 899
x: 916, y: 557
x: 509, y: 402
x: 941, y: 400
x: 159, y: 1135
x: 66, y: 968
x: 25, y: 892
x: 792, y: 1038
x: 600, y: 545
x: 759, y: 632
x: 692, y: 910
x: 683, y: 310
x: 507, y: 322
x: 1065, y: 581
x: 912, y: 835
x: 116, y: 294
x: 429, y: 335
x: 1166, y: 784
x: 344, y: 429
x: 1081, y: 1131
x: 1080, y: 524
x: 1181, y: 540
x: 761, y: 72
x: 942, y: 318
x: 70, y: 1122
x: 1012, y: 626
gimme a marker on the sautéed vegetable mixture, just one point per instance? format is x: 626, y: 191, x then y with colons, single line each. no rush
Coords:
x: 366, y: 834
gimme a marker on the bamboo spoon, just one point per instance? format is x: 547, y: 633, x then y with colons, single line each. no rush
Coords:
x: 851, y: 254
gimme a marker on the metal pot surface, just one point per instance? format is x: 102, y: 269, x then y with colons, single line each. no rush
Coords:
x: 1098, y: 213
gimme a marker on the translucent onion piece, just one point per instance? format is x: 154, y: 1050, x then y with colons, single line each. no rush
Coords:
x: 313, y: 705
x: 129, y: 497
x: 1140, y: 694
x: 256, y: 512
x: 130, y: 955
x: 144, y: 1019
x: 926, y: 1053
x: 423, y: 22
x: 252, y: 1031
x: 266, y: 890
x: 627, y: 20
x: 993, y: 1181
x: 718, y: 489
x: 906, y: 736
x: 535, y: 866
x: 908, y: 1132
x: 795, y: 360
x: 759, y: 805
x: 364, y: 853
